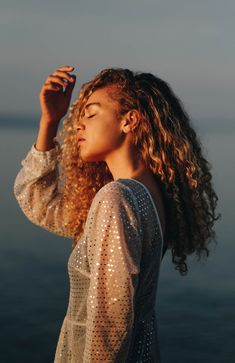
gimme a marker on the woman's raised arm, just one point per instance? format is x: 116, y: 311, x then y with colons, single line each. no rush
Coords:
x: 36, y: 184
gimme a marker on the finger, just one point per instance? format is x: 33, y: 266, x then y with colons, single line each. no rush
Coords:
x: 64, y: 75
x: 51, y: 87
x: 65, y: 68
x: 56, y: 79
x: 70, y: 87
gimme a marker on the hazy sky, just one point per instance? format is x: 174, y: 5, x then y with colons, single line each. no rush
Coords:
x: 190, y: 44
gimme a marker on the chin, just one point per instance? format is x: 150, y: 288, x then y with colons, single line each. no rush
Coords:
x: 91, y: 158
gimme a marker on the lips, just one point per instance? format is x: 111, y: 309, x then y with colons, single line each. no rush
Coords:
x: 80, y: 141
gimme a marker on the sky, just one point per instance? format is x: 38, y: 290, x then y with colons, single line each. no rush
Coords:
x: 189, y: 44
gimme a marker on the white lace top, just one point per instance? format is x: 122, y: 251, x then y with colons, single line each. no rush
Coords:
x: 113, y: 270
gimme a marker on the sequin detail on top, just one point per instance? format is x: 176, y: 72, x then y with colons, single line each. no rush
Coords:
x: 113, y: 269
x: 36, y: 190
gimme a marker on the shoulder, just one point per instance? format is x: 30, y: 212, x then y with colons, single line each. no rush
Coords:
x: 116, y: 192
x: 116, y: 202
x: 116, y: 197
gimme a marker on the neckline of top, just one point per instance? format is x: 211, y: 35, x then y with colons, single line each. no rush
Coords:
x: 152, y: 201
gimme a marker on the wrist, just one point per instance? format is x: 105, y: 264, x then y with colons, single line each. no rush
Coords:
x: 50, y: 124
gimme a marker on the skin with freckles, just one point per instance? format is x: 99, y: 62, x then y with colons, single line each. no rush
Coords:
x: 101, y: 128
x: 108, y: 136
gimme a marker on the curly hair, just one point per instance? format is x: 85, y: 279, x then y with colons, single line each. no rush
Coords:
x: 167, y: 144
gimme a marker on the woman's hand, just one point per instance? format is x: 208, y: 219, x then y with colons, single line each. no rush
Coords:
x: 54, y: 101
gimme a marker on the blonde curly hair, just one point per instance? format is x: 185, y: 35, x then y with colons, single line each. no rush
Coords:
x: 169, y: 147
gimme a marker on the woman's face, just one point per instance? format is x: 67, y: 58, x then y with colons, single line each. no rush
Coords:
x: 100, y: 126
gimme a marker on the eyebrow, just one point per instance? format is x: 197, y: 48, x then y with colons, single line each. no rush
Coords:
x: 92, y: 103
x: 88, y: 105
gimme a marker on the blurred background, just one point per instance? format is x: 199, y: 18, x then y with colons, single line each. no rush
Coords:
x: 191, y: 46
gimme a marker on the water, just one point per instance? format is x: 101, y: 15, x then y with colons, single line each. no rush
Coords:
x: 195, y: 313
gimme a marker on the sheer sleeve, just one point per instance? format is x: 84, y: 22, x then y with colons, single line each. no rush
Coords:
x: 36, y: 190
x: 114, y: 252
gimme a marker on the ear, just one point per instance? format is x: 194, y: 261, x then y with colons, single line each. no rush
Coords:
x: 130, y: 121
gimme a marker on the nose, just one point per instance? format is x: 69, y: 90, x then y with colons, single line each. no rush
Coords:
x: 78, y: 126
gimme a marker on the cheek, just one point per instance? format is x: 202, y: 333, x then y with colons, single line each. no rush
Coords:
x: 100, y: 142
x: 105, y: 136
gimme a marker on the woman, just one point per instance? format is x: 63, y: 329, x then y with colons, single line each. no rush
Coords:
x: 135, y: 184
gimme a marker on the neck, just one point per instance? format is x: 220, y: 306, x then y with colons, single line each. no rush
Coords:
x: 126, y: 164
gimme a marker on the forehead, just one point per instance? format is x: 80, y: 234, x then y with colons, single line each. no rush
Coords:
x: 103, y: 96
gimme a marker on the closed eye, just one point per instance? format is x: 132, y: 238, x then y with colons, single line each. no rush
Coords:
x: 91, y: 116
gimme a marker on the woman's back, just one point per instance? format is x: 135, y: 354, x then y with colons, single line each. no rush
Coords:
x: 158, y: 199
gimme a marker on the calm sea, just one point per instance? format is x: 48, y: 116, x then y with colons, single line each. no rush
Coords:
x: 196, y: 314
